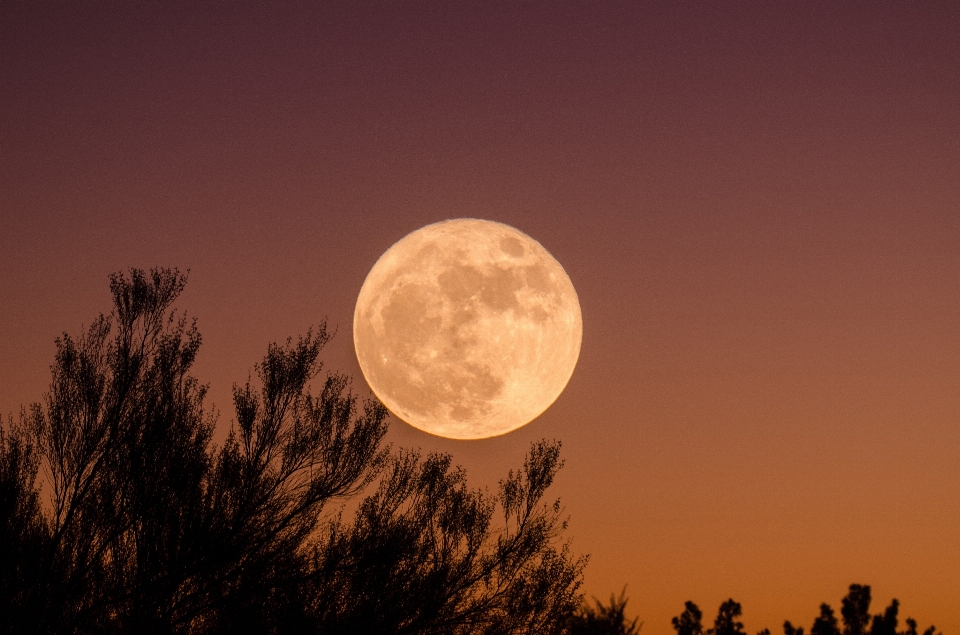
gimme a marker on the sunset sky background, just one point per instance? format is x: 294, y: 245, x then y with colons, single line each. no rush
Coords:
x: 758, y: 203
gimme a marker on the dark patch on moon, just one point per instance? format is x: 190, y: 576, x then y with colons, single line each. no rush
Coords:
x: 511, y: 246
x: 406, y: 319
x: 500, y: 289
x: 469, y: 393
x: 537, y: 278
x: 461, y: 282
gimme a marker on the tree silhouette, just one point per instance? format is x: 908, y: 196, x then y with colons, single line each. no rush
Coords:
x: 912, y: 628
x: 22, y: 532
x: 855, y: 612
x: 855, y: 609
x: 826, y: 622
x: 886, y: 623
x: 790, y: 629
x: 726, y: 621
x: 152, y: 529
x: 689, y: 622
x: 604, y: 620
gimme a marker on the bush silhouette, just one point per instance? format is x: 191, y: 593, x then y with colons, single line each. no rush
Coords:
x: 604, y: 620
x: 147, y: 527
x: 855, y: 613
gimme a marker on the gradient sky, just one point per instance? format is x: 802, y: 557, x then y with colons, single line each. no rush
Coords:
x: 758, y: 203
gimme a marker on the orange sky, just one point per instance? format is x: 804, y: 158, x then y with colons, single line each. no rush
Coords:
x: 759, y: 205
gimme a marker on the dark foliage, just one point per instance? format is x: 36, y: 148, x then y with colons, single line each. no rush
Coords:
x: 886, y: 623
x: 726, y: 622
x: 855, y: 609
x: 855, y: 613
x: 689, y: 622
x: 825, y: 623
x: 22, y: 532
x: 149, y: 528
x: 603, y: 619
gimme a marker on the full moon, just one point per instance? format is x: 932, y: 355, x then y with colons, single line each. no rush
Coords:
x: 467, y: 329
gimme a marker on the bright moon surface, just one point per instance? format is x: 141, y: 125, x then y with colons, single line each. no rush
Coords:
x: 467, y: 329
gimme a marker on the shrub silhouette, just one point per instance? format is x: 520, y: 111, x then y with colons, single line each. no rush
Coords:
x: 150, y: 528
x: 726, y: 622
x: 604, y: 620
x: 825, y: 623
x: 855, y: 612
x: 688, y: 623
x: 855, y: 609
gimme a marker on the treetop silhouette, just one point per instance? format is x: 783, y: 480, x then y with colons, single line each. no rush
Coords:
x: 601, y: 619
x: 855, y: 613
x: 688, y: 623
x: 150, y: 528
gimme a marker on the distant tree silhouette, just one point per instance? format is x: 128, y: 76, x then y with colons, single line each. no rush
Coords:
x: 855, y: 609
x: 886, y: 623
x: 826, y: 622
x: 912, y: 628
x: 689, y: 622
x: 726, y: 621
x: 855, y: 612
x: 604, y: 620
x: 790, y: 629
x: 152, y: 529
